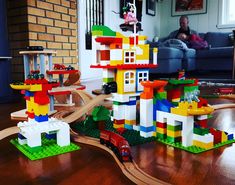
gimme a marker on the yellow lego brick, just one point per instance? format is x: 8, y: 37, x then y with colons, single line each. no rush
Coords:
x: 130, y: 122
x: 116, y: 62
x: 144, y: 55
x: 155, y: 50
x: 224, y: 137
x: 183, y: 107
x: 36, y: 87
x: 142, y: 37
x: 154, y: 134
x: 203, y: 145
x: 118, y: 126
x: 161, y: 130
x: 41, y: 109
x: 97, y: 33
x: 173, y: 133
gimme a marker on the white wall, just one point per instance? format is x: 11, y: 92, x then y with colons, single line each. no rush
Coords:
x: 150, y: 24
x: 200, y: 22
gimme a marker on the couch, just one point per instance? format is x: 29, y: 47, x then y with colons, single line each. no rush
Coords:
x: 218, y: 55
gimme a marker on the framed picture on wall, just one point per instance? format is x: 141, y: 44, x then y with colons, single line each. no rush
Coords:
x: 187, y: 7
x: 151, y: 7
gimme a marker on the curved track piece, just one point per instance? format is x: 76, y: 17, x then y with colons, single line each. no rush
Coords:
x: 129, y: 169
x: 9, y: 131
x: 223, y: 106
x: 85, y: 108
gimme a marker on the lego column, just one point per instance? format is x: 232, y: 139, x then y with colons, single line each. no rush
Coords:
x: 146, y: 111
x: 130, y: 114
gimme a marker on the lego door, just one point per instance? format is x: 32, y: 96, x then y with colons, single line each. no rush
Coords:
x: 141, y: 75
x: 129, y: 81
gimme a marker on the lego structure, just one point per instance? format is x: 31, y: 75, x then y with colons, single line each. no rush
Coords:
x: 42, y: 61
x: 169, y: 110
x: 31, y: 132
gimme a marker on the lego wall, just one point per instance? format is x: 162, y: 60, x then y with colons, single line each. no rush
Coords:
x: 47, y: 23
x: 200, y: 22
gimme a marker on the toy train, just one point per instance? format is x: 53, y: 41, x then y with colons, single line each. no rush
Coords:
x: 117, y: 143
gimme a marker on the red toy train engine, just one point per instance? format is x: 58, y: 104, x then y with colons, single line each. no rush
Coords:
x: 117, y: 143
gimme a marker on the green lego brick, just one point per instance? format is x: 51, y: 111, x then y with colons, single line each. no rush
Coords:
x: 160, y: 96
x: 180, y: 82
x: 161, y: 136
x: 49, y: 148
x: 106, y: 80
x: 118, y: 103
x: 97, y: 33
x: 173, y: 139
x: 201, y: 131
x: 190, y: 88
x: 174, y: 128
x: 193, y: 149
x: 106, y: 30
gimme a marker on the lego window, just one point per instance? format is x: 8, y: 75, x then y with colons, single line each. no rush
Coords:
x: 142, y: 76
x: 129, y: 57
x: 129, y: 78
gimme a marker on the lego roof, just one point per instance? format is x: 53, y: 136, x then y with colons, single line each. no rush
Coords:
x: 108, y: 40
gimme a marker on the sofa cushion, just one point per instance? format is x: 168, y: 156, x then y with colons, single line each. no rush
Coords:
x: 171, y: 53
x: 190, y: 53
x: 218, y: 39
x: 215, y: 52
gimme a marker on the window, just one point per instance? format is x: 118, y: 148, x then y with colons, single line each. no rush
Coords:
x: 94, y: 16
x: 129, y: 57
x: 143, y: 76
x: 226, y: 17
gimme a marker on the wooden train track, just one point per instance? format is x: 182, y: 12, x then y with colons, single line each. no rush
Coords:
x: 129, y: 169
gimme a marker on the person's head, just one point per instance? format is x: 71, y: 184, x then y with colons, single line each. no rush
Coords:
x: 184, y: 22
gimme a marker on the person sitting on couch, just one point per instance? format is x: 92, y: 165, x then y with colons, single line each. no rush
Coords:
x: 184, y: 32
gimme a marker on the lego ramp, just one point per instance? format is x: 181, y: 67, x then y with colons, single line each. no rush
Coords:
x: 9, y: 131
x: 85, y: 108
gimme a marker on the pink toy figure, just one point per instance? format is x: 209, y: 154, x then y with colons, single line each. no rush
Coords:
x: 130, y: 17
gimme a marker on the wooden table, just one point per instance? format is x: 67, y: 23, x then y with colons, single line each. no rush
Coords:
x: 94, y: 166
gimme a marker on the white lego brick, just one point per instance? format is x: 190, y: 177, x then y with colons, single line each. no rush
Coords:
x: 142, y: 61
x: 104, y: 62
x: 124, y: 97
x: 130, y: 112
x: 146, y: 112
x: 136, y: 127
x: 202, y: 117
x: 104, y: 47
x: 126, y: 46
x: 119, y: 112
x: 116, y: 54
x: 107, y: 73
x: 22, y: 141
x: 207, y: 138
x: 146, y: 134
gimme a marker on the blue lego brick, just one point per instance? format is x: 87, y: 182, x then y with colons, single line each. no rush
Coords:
x: 163, y: 105
x: 129, y: 127
x: 154, y: 112
x: 133, y: 102
x: 28, y: 93
x: 147, y: 129
x: 230, y: 136
x: 41, y: 118
x: 20, y: 136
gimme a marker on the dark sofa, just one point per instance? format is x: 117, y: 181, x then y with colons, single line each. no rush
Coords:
x: 218, y: 55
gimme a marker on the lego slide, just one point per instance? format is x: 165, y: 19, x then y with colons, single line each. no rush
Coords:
x: 85, y: 108
x: 9, y: 131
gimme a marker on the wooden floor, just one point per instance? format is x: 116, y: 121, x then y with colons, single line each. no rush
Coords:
x: 94, y: 166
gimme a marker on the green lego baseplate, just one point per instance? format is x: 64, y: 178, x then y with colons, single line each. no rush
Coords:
x: 49, y: 148
x: 194, y: 149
